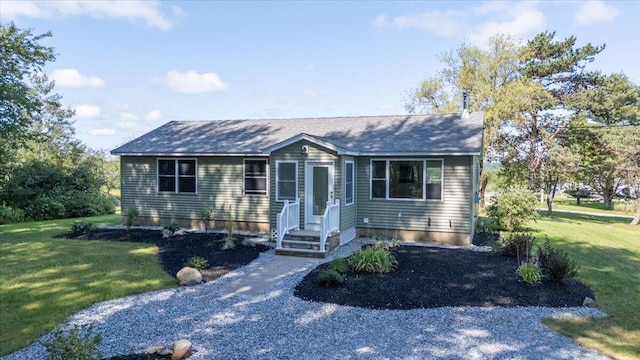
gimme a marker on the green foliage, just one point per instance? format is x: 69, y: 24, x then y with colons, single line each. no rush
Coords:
x: 512, y: 209
x: 132, y: 215
x: 530, y: 272
x: 376, y: 259
x: 555, y: 263
x: 205, y: 215
x: 330, y: 277
x: 81, y: 228
x: 173, y: 227
x: 339, y: 264
x: 197, y: 262
x: 10, y: 215
x: 516, y: 245
x: 79, y: 343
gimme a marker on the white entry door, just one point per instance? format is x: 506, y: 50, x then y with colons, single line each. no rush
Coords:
x: 318, y: 190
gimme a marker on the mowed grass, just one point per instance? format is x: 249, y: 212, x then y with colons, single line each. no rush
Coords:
x: 43, y: 280
x: 608, y: 253
x: 620, y: 208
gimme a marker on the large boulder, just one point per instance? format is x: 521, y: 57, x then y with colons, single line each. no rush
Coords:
x: 181, y: 350
x: 188, y: 276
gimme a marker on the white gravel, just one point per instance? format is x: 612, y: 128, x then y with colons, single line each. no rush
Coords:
x: 277, y: 325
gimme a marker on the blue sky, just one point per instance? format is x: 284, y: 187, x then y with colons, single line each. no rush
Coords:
x: 130, y: 66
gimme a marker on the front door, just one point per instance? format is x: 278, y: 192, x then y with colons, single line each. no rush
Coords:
x: 318, y: 190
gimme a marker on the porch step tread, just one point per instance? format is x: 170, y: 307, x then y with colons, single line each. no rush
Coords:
x: 301, y: 252
x: 312, y: 233
x: 301, y: 242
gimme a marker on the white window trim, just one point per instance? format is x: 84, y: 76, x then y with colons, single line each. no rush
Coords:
x: 244, y: 168
x: 353, y: 182
x: 278, y: 162
x: 176, y: 175
x: 424, y: 179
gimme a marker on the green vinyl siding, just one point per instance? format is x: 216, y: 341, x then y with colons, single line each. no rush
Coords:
x: 452, y: 214
x: 347, y: 212
x: 219, y: 186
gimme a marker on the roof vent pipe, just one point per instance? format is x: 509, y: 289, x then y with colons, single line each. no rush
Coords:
x: 465, y: 104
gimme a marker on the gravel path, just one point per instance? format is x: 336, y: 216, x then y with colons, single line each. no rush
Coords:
x: 277, y: 325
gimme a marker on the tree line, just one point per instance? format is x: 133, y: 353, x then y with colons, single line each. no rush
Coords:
x: 549, y: 118
x: 46, y: 172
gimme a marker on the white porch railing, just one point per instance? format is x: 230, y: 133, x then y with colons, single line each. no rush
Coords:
x: 288, y: 219
x: 329, y: 222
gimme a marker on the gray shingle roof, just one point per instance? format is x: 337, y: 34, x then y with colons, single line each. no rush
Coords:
x: 440, y: 134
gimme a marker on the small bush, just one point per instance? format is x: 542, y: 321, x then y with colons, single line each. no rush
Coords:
x: 555, y: 263
x: 512, y: 209
x: 205, y: 215
x: 374, y: 259
x: 530, y: 272
x: 78, y: 344
x: 330, y: 277
x: 340, y: 265
x: 9, y: 215
x: 516, y: 245
x: 81, y: 228
x: 132, y: 215
x: 173, y: 227
x: 197, y: 262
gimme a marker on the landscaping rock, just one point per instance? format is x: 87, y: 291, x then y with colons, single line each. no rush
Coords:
x: 180, y: 232
x: 153, y: 349
x: 588, y: 301
x: 166, y: 233
x: 181, y: 349
x: 188, y: 276
x: 164, y: 352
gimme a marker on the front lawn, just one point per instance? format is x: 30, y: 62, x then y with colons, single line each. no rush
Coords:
x: 608, y: 252
x: 596, y: 207
x: 44, y: 279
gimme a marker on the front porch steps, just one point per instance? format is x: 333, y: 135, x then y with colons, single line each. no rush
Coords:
x: 306, y: 243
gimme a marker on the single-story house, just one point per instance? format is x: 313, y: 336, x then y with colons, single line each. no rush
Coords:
x: 328, y: 180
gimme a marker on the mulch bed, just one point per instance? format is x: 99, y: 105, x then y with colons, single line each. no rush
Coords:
x: 174, y: 252
x: 428, y: 277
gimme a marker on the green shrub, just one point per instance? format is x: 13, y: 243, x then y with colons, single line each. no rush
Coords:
x: 78, y: 344
x: 555, y: 263
x: 372, y: 259
x: 530, y: 272
x: 173, y: 227
x: 512, y: 209
x: 340, y: 265
x: 516, y: 245
x: 132, y: 215
x: 330, y: 277
x: 205, y: 215
x: 197, y: 262
x: 81, y: 228
x: 9, y: 215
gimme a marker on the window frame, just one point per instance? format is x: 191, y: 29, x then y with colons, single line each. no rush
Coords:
x: 266, y: 176
x: 177, y: 176
x: 277, y: 179
x: 353, y: 182
x: 387, y: 162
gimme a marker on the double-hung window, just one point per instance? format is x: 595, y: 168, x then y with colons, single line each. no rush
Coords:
x: 348, y: 182
x: 408, y: 179
x: 286, y: 180
x: 177, y: 175
x: 255, y: 177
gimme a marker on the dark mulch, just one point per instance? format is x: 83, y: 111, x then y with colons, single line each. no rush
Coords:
x: 174, y: 252
x: 435, y: 277
x: 139, y: 357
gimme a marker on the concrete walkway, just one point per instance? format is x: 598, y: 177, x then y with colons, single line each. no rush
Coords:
x: 267, y: 275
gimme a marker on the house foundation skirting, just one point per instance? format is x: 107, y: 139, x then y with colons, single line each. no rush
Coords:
x: 260, y: 227
x: 448, y: 238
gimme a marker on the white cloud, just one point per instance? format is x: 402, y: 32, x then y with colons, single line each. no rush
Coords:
x: 151, y: 12
x: 192, y: 82
x: 307, y: 67
x: 380, y: 21
x: 87, y: 111
x: 73, y: 78
x: 129, y: 117
x: 310, y: 94
x: 102, y: 131
x: 154, y: 115
x: 475, y: 24
x: 595, y: 11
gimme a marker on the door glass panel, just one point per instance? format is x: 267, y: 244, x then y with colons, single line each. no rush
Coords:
x: 320, y: 189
